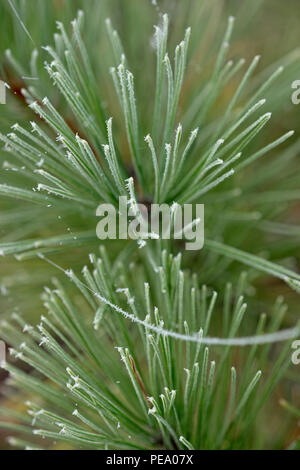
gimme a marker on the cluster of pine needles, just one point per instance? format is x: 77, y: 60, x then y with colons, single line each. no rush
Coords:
x: 145, y: 345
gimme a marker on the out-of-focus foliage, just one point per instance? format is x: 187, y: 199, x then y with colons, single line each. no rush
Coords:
x: 218, y: 122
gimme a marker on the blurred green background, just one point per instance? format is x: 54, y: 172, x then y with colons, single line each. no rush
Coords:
x: 267, y: 27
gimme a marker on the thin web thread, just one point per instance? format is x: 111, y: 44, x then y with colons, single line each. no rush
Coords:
x: 276, y: 337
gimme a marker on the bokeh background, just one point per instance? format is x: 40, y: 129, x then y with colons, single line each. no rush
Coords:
x: 267, y: 27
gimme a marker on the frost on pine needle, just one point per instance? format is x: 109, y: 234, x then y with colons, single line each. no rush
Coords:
x: 146, y: 347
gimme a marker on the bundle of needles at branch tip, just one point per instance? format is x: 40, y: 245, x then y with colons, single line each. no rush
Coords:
x: 133, y: 344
